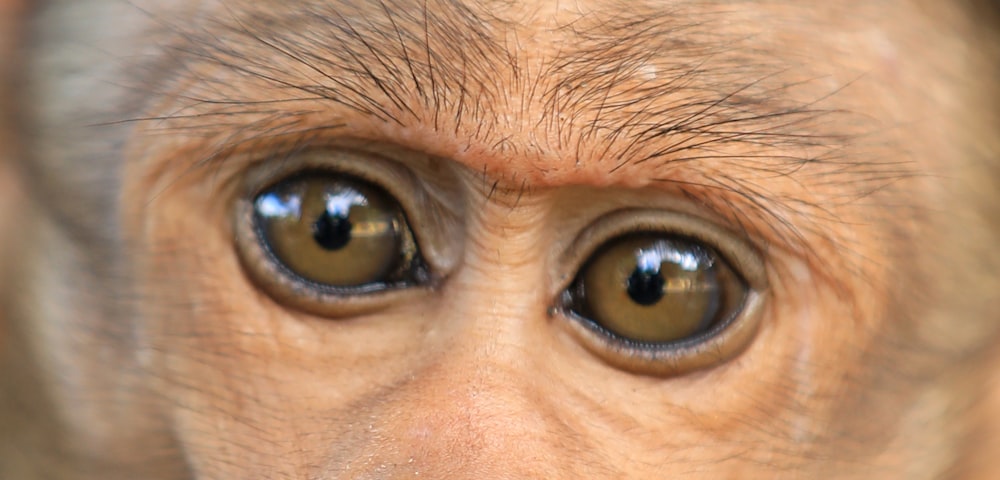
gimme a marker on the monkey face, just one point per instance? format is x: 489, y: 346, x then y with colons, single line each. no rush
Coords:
x: 447, y: 239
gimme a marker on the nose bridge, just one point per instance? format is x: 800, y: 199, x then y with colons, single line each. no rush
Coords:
x: 473, y: 393
x: 454, y: 425
x: 480, y: 405
x: 472, y: 410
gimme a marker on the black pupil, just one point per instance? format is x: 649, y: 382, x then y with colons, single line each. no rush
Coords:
x: 332, y: 231
x: 645, y: 286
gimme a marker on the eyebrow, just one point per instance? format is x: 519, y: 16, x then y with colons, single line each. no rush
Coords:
x: 628, y: 80
x: 638, y: 90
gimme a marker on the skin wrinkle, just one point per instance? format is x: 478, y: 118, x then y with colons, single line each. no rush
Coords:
x: 202, y: 111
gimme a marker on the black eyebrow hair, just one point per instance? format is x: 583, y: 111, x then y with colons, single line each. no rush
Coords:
x: 453, y: 65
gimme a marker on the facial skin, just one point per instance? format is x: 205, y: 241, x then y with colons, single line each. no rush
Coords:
x: 841, y: 157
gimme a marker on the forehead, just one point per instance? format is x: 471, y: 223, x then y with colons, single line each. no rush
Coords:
x: 836, y: 96
x: 585, y: 61
x: 562, y: 86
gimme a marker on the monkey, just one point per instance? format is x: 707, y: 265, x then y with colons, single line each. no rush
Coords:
x: 342, y: 239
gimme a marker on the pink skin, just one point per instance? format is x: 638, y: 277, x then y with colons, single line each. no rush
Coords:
x: 841, y: 155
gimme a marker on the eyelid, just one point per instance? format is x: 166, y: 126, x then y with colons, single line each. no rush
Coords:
x: 433, y: 226
x: 710, y: 348
x: 436, y: 240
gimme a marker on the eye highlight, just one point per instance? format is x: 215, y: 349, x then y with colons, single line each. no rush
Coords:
x: 653, y: 288
x: 337, y: 232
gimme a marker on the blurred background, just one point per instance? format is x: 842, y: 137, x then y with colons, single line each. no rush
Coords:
x: 9, y: 193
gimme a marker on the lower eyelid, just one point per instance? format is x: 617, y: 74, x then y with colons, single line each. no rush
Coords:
x: 716, y: 346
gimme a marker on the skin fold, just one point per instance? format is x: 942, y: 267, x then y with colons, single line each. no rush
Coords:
x: 842, y: 157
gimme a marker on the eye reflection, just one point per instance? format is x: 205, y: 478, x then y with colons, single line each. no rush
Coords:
x: 337, y: 231
x: 333, y: 229
x: 646, y: 284
x: 271, y: 205
x: 656, y: 288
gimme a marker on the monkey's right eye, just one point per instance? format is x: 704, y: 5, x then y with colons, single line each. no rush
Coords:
x: 337, y: 233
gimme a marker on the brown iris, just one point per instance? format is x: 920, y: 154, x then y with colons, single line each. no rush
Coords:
x: 335, y: 230
x: 656, y: 288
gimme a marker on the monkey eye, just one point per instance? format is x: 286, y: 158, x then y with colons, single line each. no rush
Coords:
x: 662, y: 293
x: 656, y: 289
x: 337, y: 233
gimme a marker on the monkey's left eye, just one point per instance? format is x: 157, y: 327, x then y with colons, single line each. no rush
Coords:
x: 655, y: 289
x: 663, y: 293
x: 337, y: 233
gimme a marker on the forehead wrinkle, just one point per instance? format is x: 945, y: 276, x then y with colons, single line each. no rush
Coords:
x: 637, y: 85
x: 632, y: 97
